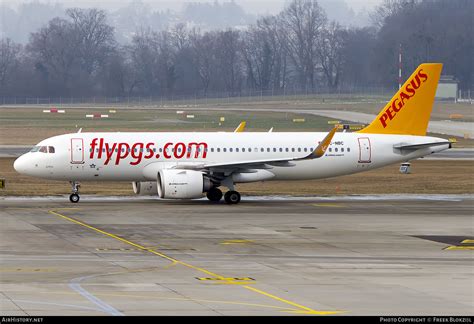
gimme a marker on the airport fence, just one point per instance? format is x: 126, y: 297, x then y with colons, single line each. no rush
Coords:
x: 210, y: 99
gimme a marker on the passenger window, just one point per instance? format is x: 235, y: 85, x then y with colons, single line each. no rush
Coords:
x: 281, y: 150
x: 231, y: 149
x: 274, y: 149
x: 212, y: 150
x: 348, y: 149
x: 335, y: 150
x: 224, y: 149
x: 287, y: 150
x: 312, y: 149
x: 262, y: 150
x: 292, y: 149
x: 43, y: 149
x: 243, y: 149
x: 250, y: 150
x: 330, y: 149
x: 218, y: 149
x: 268, y: 149
x: 342, y: 149
x: 299, y: 149
x: 237, y: 149
x: 306, y: 149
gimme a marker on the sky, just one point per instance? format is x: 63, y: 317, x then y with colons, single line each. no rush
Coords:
x: 251, y: 6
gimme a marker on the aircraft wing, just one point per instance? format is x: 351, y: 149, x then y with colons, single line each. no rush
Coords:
x: 318, y: 152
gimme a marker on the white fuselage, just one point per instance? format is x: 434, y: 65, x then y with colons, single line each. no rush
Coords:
x: 137, y: 156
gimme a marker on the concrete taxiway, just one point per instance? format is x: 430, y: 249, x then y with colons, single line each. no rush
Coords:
x: 403, y: 255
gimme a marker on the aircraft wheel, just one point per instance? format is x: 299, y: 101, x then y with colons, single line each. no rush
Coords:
x: 232, y: 197
x: 214, y: 195
x: 74, y: 198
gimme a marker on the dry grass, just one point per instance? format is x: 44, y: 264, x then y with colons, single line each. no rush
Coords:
x: 28, y: 126
x: 428, y: 177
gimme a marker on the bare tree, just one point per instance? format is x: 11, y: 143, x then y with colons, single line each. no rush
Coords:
x: 143, y: 61
x: 203, y: 47
x: 54, y: 48
x: 330, y: 48
x: 95, y: 36
x: 228, y: 59
x: 9, y: 59
x: 303, y: 21
x: 389, y: 8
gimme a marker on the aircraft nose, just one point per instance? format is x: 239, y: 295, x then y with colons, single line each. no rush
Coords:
x: 20, y: 164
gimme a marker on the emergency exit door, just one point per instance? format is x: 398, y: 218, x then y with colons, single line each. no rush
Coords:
x: 77, y: 150
x: 365, y: 153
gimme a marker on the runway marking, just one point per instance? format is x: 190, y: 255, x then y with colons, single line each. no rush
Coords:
x: 460, y: 247
x: 299, y: 308
x: 229, y: 242
x: 181, y: 299
x: 27, y: 270
x: 464, y: 246
x: 105, y: 249
x: 75, y: 284
x: 328, y: 205
x: 229, y: 281
x: 54, y: 304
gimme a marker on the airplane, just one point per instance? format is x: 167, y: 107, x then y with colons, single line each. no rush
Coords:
x: 193, y: 164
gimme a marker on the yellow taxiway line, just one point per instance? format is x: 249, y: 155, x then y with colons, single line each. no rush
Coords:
x: 300, y: 309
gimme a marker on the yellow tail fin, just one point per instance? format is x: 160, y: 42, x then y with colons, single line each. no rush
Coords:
x: 408, y: 112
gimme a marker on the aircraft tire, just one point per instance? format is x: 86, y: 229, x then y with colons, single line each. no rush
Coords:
x: 214, y: 195
x: 232, y: 197
x: 74, y: 198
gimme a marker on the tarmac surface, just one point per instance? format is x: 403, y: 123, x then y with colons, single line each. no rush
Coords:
x: 355, y: 255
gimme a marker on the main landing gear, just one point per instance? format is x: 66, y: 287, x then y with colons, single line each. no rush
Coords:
x: 74, y: 197
x: 231, y: 197
x: 214, y: 195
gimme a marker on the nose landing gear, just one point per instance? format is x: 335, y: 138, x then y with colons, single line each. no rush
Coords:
x: 74, y: 197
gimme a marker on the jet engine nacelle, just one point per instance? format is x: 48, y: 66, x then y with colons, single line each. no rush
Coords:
x: 145, y: 188
x: 182, y: 184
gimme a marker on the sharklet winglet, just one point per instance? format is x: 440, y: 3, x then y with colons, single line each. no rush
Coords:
x: 320, y: 150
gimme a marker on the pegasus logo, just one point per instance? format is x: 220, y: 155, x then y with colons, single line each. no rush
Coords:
x: 404, y: 95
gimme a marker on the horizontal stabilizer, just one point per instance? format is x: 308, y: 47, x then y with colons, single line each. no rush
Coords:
x: 415, y: 147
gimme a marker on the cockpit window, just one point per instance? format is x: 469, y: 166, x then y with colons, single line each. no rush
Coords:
x: 51, y: 149
x: 35, y: 149
x: 43, y: 149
